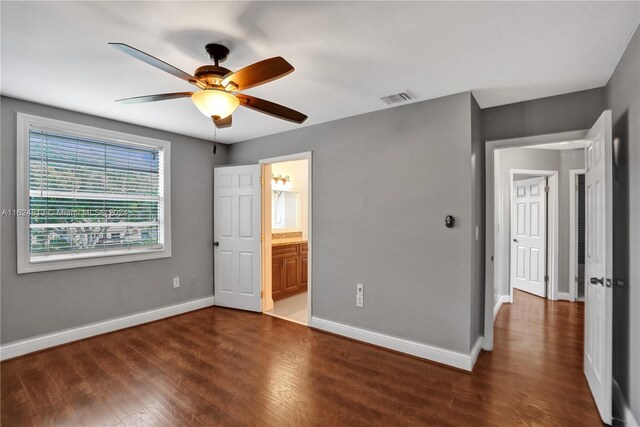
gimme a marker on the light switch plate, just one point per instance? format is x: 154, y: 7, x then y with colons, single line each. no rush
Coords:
x: 176, y: 282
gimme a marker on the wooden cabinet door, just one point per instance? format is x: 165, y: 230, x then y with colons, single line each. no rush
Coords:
x: 288, y: 270
x: 277, y: 289
x: 303, y: 270
x: 291, y: 274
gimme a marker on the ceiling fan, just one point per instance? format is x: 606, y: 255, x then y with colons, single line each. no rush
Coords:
x: 219, y: 95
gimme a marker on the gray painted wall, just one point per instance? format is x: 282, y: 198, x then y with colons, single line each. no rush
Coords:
x: 622, y: 96
x: 38, y: 303
x: 383, y: 183
x: 561, y: 113
x: 478, y: 214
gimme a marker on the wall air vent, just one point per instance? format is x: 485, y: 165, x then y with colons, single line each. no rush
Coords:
x: 398, y: 98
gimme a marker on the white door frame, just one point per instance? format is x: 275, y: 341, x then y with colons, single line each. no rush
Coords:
x: 573, y: 231
x: 266, y: 242
x: 491, y: 247
x: 551, y: 254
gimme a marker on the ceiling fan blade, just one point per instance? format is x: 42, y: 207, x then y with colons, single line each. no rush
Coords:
x: 258, y: 73
x: 152, y: 98
x: 152, y: 60
x: 271, y: 108
x: 222, y: 123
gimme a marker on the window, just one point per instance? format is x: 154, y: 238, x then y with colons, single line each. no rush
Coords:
x: 89, y: 196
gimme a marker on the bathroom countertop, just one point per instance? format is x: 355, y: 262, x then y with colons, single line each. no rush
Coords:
x: 290, y: 241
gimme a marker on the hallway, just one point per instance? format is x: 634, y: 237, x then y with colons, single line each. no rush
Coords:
x: 536, y: 365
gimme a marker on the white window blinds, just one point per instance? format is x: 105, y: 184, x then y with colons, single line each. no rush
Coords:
x: 90, y: 195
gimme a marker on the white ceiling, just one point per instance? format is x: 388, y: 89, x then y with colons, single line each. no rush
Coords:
x: 346, y: 54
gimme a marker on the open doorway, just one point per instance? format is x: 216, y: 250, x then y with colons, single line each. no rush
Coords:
x: 532, y: 219
x: 286, y: 224
x: 506, y: 159
x: 577, y: 234
x: 594, y: 318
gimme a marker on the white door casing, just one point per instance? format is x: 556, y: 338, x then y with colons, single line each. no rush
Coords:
x: 598, y: 328
x: 236, y: 235
x: 528, y: 231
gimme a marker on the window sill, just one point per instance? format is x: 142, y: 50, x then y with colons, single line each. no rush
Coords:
x: 53, y: 262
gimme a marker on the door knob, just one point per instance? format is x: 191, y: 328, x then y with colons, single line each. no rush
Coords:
x: 595, y: 280
x: 216, y: 244
x: 515, y: 240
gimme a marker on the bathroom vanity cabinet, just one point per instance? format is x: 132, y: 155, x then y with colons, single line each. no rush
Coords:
x: 288, y: 269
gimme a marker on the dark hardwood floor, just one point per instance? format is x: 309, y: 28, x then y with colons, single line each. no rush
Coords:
x: 224, y: 367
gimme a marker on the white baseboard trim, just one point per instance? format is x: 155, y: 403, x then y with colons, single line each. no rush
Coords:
x: 29, y: 345
x: 623, y: 407
x: 502, y: 299
x: 475, y: 351
x: 563, y: 296
x: 436, y: 354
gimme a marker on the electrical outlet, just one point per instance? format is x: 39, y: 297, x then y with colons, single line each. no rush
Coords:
x: 192, y: 280
x: 176, y: 282
x: 359, y: 301
x: 359, y: 289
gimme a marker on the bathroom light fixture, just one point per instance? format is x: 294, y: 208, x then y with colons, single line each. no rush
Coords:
x: 215, y: 103
x: 280, y: 183
x: 278, y: 178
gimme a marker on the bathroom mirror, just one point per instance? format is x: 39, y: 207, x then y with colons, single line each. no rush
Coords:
x: 285, y: 210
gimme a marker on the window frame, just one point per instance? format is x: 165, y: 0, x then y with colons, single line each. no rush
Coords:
x: 25, y: 122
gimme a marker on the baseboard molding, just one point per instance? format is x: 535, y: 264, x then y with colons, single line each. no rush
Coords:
x: 436, y: 354
x: 623, y: 407
x: 41, y: 342
x: 502, y: 299
x: 563, y: 296
x: 475, y: 351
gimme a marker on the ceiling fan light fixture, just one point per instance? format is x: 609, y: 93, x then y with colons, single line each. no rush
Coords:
x: 215, y: 103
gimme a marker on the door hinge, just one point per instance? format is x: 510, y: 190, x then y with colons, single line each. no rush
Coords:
x: 261, y: 294
x: 262, y: 180
x: 546, y: 278
x: 547, y: 189
x: 262, y: 237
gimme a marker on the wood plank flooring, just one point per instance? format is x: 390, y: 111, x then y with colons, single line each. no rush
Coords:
x: 224, y: 367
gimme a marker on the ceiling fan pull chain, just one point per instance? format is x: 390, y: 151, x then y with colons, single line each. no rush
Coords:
x: 215, y: 140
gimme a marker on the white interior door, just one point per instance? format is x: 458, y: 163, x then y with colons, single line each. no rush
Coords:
x: 599, y: 264
x: 528, y: 231
x: 236, y: 235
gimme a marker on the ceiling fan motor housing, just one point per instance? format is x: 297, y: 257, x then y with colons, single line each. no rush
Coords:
x: 211, y: 74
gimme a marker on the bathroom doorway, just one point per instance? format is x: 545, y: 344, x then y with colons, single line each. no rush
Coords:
x: 286, y: 240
